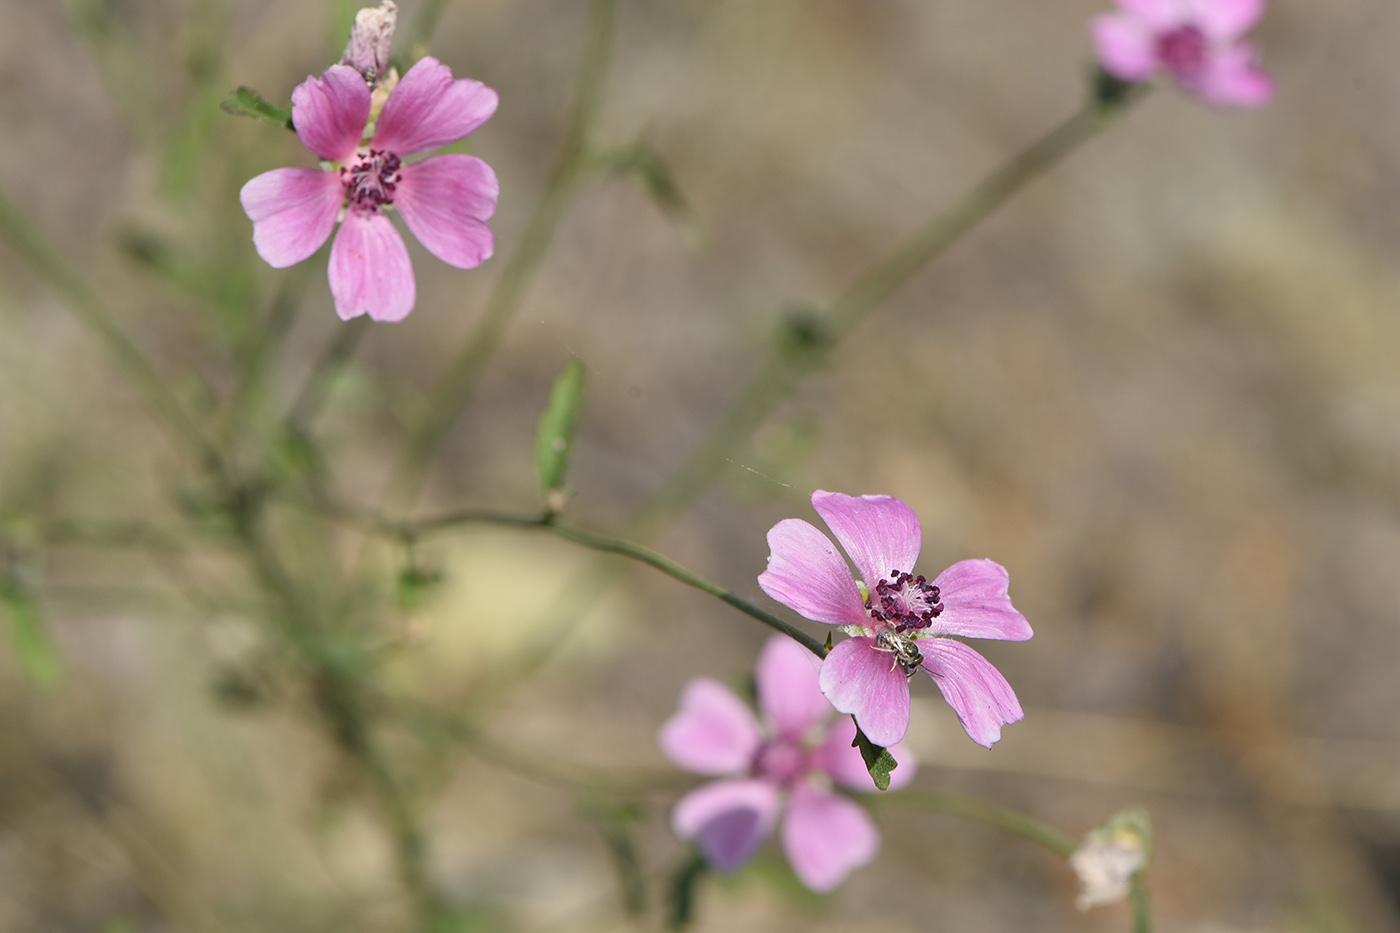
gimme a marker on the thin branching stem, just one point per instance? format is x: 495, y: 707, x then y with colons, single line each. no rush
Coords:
x: 980, y: 811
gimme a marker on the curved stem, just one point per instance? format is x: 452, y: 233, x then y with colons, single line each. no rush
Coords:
x: 457, y: 384
x: 979, y: 811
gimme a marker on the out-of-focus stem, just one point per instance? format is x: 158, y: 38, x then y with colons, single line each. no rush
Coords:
x: 979, y: 811
x: 331, y: 362
x: 457, y: 384
x: 1141, y: 905
x: 19, y: 232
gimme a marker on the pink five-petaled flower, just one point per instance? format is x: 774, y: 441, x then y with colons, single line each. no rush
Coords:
x: 796, y: 752
x: 899, y: 622
x: 1198, y: 41
x: 445, y: 200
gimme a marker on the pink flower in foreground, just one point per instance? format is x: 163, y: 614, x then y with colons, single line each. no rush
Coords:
x: 445, y: 200
x: 900, y: 623
x: 1198, y: 41
x: 795, y: 754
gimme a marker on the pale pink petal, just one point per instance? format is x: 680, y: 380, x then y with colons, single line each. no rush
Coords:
x: 427, y: 109
x: 330, y: 112
x: 1233, y: 79
x: 861, y: 680
x: 881, y: 533
x: 843, y: 763
x: 1227, y: 19
x: 825, y: 836
x: 728, y: 820
x: 369, y: 269
x: 981, y: 697
x: 976, y: 603
x: 1159, y: 14
x: 293, y: 210
x: 1127, y: 47
x: 446, y: 201
x: 713, y: 732
x: 788, y: 692
x: 807, y: 574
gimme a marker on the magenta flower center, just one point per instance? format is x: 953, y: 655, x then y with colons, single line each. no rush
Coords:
x: 1184, y: 51
x: 903, y: 602
x: 781, y: 761
x: 371, y: 180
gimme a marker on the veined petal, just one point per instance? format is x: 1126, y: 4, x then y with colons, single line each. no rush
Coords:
x: 1227, y: 19
x: 825, y: 836
x: 293, y: 210
x: 864, y: 681
x: 976, y: 691
x: 1127, y: 46
x: 713, y: 732
x: 807, y: 574
x: 788, y: 692
x: 330, y: 112
x: 446, y: 201
x: 843, y: 763
x: 976, y: 603
x: 881, y: 533
x: 728, y: 820
x: 1159, y: 14
x: 1233, y: 79
x: 428, y: 109
x: 369, y: 269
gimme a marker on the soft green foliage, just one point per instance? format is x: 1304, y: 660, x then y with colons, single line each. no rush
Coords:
x: 246, y: 102
x: 878, y: 761
x: 554, y: 441
x: 35, y: 653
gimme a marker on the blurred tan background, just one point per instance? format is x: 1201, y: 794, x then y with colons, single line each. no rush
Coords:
x: 1162, y: 387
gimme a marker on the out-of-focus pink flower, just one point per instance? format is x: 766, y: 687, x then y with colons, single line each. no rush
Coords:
x: 445, y: 200
x: 899, y: 623
x: 792, y: 756
x: 1199, y: 42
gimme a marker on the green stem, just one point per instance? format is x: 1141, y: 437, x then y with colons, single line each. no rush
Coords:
x: 330, y: 364
x: 979, y: 811
x: 1141, y: 905
x: 457, y: 384
x: 19, y: 232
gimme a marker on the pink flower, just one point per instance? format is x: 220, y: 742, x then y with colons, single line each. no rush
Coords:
x: 794, y: 754
x: 900, y: 623
x: 445, y: 200
x: 1198, y: 41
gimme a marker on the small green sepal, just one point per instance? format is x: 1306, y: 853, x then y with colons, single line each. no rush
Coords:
x: 878, y: 760
x: 246, y: 102
x: 555, y: 439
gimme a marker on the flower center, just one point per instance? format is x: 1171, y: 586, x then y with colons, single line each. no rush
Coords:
x: 370, y: 182
x: 781, y: 762
x: 1183, y: 51
x: 903, y: 602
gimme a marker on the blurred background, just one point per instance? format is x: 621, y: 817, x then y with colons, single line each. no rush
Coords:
x: 1161, y: 387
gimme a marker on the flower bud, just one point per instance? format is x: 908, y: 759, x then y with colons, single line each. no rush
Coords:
x: 368, y: 49
x: 1111, y: 857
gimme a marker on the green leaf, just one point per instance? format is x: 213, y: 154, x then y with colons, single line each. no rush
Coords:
x: 246, y: 102
x: 36, y: 655
x: 878, y: 760
x: 680, y: 911
x: 555, y: 439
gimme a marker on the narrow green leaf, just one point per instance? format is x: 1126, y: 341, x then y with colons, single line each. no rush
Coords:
x: 246, y: 102
x: 555, y: 439
x: 36, y: 655
x: 878, y: 760
x: 681, y: 910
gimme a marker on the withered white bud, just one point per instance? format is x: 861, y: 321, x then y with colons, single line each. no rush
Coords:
x: 368, y: 49
x: 1110, y: 858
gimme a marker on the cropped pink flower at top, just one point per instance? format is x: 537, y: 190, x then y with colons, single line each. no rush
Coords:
x: 793, y: 756
x: 900, y: 623
x: 1198, y: 42
x: 445, y: 200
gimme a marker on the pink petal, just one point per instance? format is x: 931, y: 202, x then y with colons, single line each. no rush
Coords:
x: 976, y: 603
x: 861, y: 680
x: 427, y: 109
x: 844, y: 765
x: 1127, y: 47
x: 807, y: 574
x: 825, y: 836
x: 880, y: 533
x: 1158, y: 14
x: 712, y: 733
x: 981, y: 697
x: 369, y: 269
x: 293, y: 211
x: 787, y: 688
x: 446, y: 201
x: 1227, y: 19
x: 1233, y: 79
x: 330, y: 112
x: 728, y: 820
